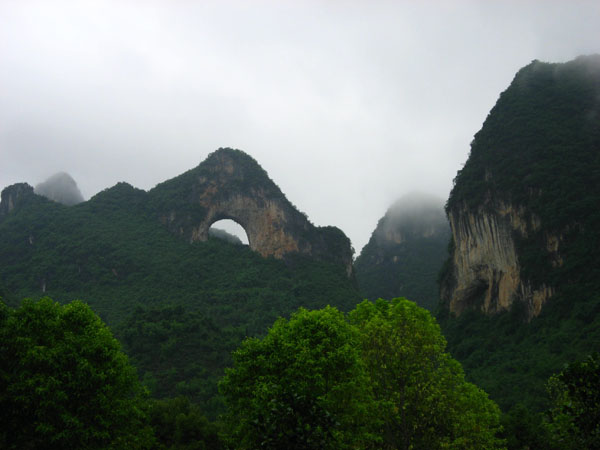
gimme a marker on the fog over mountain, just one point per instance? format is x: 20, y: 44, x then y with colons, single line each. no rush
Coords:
x: 406, y: 251
x: 347, y: 105
x: 61, y: 188
x: 414, y: 214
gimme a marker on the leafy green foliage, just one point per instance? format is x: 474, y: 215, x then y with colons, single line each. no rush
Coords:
x: 421, y: 395
x: 379, y: 379
x: 575, y: 412
x: 246, y: 175
x: 179, y: 353
x: 64, y: 381
x: 525, y: 430
x: 539, y: 148
x: 181, y: 425
x: 113, y: 253
x: 538, y: 152
x: 511, y: 359
x: 302, y: 386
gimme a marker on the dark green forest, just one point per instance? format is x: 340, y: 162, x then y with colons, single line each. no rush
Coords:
x: 160, y: 294
x: 539, y: 150
x: 179, y: 345
x: 406, y: 252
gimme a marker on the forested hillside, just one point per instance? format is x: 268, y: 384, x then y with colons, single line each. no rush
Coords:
x: 406, y: 252
x: 521, y: 289
x: 520, y: 299
x: 179, y: 308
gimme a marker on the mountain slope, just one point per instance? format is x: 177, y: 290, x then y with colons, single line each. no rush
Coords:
x: 113, y: 252
x: 524, y: 209
x: 520, y: 290
x: 406, y: 251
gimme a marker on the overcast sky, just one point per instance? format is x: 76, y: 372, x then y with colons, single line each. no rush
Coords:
x: 347, y: 104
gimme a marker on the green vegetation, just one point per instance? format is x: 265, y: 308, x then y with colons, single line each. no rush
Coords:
x: 179, y: 352
x: 64, y: 381
x: 510, y: 358
x: 575, y: 412
x: 379, y: 379
x: 408, y: 269
x: 538, y: 151
x: 421, y: 395
x: 539, y: 148
x: 228, y: 173
x: 246, y: 175
x: 301, y: 386
x: 405, y: 252
x: 181, y: 425
x: 113, y: 253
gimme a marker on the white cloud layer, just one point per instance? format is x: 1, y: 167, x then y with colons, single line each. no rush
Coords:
x: 347, y: 104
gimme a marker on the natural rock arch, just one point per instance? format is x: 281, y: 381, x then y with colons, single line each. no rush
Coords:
x: 229, y: 184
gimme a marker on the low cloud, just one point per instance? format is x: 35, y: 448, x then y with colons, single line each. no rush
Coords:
x: 61, y: 188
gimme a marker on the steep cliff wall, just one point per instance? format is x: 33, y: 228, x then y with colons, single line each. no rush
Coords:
x: 486, y: 271
x: 229, y: 184
x: 524, y: 209
x: 12, y: 196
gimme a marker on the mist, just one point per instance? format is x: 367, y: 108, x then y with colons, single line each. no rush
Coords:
x: 416, y: 214
x: 347, y: 105
x: 230, y: 231
x: 61, y: 188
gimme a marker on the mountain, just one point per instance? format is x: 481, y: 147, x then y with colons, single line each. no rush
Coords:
x: 406, y: 251
x: 520, y: 292
x: 230, y: 184
x: 61, y: 188
x: 222, y: 234
x: 524, y: 209
x: 179, y: 301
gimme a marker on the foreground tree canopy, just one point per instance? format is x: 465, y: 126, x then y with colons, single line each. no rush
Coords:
x: 421, y: 394
x: 377, y: 379
x: 301, y: 386
x: 64, y: 381
x: 575, y: 414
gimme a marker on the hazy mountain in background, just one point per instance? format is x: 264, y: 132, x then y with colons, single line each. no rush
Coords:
x: 61, y: 188
x: 222, y: 234
x: 406, y: 251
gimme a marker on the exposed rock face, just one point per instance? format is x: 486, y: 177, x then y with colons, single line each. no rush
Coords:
x: 524, y: 209
x: 12, y: 196
x: 406, y: 251
x: 231, y: 185
x: 61, y: 188
x: 485, y: 263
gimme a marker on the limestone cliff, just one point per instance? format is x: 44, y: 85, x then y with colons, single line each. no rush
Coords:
x: 524, y: 209
x: 12, y: 196
x: 229, y: 184
x: 485, y: 263
x: 406, y: 251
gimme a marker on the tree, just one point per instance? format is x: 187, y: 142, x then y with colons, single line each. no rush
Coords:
x: 378, y: 379
x: 302, y: 386
x: 181, y: 425
x: 64, y: 381
x: 575, y: 413
x: 420, y: 392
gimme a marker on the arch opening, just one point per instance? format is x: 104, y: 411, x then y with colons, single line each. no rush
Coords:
x: 229, y: 230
